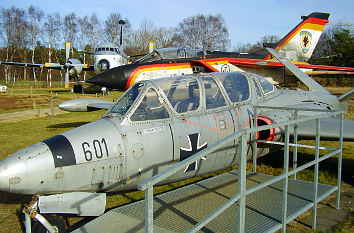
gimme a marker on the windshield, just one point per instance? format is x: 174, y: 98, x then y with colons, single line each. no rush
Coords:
x: 267, y: 86
x: 151, y: 57
x: 235, y: 84
x: 126, y: 100
x: 182, y: 92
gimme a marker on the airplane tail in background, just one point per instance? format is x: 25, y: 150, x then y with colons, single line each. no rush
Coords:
x: 299, y: 43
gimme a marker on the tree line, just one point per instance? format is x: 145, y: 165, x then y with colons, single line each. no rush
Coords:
x: 25, y: 35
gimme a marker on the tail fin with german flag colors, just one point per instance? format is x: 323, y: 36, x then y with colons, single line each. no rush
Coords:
x: 299, y: 43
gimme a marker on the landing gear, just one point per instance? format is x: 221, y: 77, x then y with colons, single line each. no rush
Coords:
x: 57, y: 223
x: 50, y: 223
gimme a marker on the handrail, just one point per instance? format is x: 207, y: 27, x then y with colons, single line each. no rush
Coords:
x: 178, y: 166
x: 148, y: 184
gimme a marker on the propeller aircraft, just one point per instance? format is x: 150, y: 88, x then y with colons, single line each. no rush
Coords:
x: 297, y: 46
x: 106, y: 55
x: 152, y: 126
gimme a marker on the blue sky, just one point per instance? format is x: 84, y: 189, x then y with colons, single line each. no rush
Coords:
x: 247, y: 21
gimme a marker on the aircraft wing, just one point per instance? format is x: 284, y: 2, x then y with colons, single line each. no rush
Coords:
x: 202, y: 63
x: 329, y: 130
x: 88, y: 67
x: 55, y: 66
x: 310, y: 69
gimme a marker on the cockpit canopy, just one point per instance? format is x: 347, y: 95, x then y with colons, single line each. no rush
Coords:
x: 170, y: 53
x: 108, y: 48
x: 159, y: 98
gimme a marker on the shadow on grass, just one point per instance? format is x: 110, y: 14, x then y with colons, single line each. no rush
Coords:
x: 67, y: 125
x: 330, y: 165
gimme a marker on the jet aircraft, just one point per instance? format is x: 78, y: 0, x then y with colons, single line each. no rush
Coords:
x: 297, y: 46
x: 152, y: 126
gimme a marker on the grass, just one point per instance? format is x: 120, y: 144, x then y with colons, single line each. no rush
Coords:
x: 18, y: 135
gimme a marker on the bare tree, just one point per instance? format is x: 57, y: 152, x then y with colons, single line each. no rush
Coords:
x: 166, y: 37
x: 15, y: 35
x: 204, y: 32
x: 84, y: 30
x: 250, y: 48
x: 112, y: 27
x: 138, y: 42
x: 94, y: 28
x: 35, y: 16
x: 52, y: 29
x: 70, y: 29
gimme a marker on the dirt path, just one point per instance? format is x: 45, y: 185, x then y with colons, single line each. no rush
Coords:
x: 28, y: 114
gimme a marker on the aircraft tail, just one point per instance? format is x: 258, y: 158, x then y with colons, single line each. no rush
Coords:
x: 299, y: 43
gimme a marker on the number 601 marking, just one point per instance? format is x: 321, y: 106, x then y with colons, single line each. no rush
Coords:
x: 97, y: 149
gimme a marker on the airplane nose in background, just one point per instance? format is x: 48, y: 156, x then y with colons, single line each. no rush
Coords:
x: 112, y: 78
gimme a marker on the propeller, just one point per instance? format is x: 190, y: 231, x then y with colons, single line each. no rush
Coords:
x: 67, y: 64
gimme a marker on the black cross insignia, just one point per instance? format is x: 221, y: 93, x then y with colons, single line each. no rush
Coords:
x: 194, y: 147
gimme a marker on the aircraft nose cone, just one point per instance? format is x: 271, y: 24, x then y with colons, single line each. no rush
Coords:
x: 113, y: 78
x: 103, y: 65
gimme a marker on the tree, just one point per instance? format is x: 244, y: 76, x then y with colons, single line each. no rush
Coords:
x: 112, y: 27
x: 204, y: 32
x: 95, y: 30
x: 70, y: 28
x: 335, y: 47
x: 15, y: 36
x: 52, y: 29
x: 138, y: 42
x: 35, y: 17
x: 251, y: 48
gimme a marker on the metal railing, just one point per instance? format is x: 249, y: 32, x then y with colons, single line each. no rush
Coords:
x: 243, y: 135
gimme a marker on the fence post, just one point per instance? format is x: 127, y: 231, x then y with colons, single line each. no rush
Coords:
x: 254, y: 141
x: 340, y: 158
x: 149, y: 210
x: 317, y: 156
x: 295, y: 142
x: 242, y: 184
x: 286, y: 180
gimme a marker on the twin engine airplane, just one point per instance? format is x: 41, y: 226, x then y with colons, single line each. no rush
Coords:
x: 154, y: 125
x: 107, y: 55
x: 297, y: 46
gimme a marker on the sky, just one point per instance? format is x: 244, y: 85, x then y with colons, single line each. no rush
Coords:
x: 247, y: 20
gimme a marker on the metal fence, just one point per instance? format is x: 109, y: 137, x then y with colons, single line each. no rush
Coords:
x: 243, y: 136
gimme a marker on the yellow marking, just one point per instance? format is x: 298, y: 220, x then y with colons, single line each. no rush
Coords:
x: 305, y: 26
x: 151, y: 44
x: 313, y: 27
x: 67, y: 44
x: 46, y: 64
x: 66, y: 85
x: 218, y: 63
x: 156, y: 68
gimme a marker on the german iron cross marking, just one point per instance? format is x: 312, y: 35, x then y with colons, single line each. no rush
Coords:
x: 194, y: 147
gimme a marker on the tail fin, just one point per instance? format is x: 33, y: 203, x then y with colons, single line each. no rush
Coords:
x: 299, y: 43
